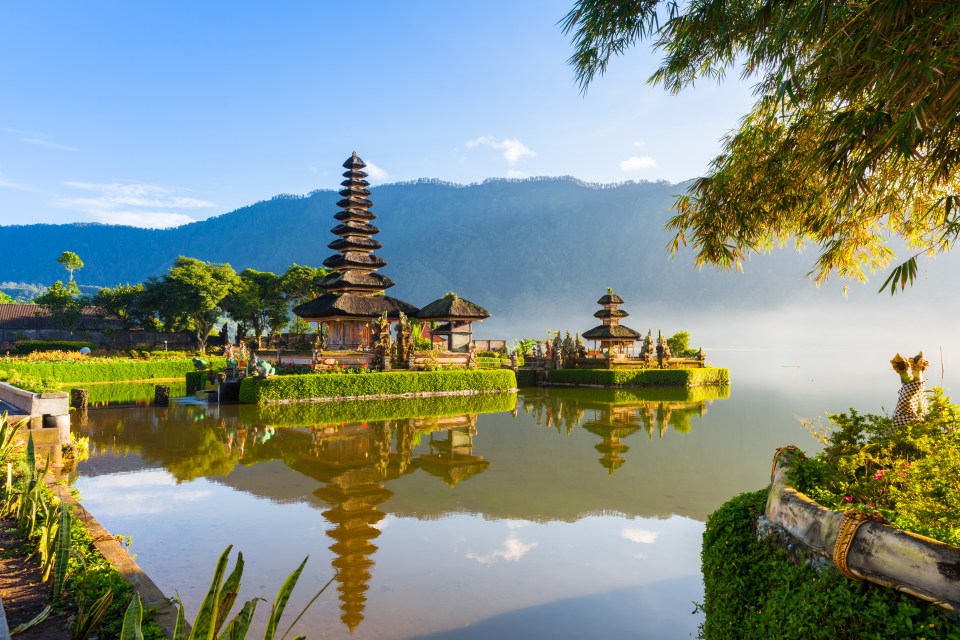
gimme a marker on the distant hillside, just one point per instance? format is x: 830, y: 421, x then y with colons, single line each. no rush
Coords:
x: 521, y: 248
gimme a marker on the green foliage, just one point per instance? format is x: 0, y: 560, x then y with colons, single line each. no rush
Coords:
x: 258, y: 302
x: 105, y: 369
x: 71, y: 262
x: 195, y: 381
x: 304, y: 387
x: 850, y: 143
x: 679, y: 344
x: 753, y: 592
x: 526, y: 378
x: 64, y: 303
x: 125, y: 302
x: 492, y: 362
x: 641, y: 377
x: 313, y: 413
x: 125, y: 392
x: 28, y: 382
x: 908, y: 474
x: 23, y: 347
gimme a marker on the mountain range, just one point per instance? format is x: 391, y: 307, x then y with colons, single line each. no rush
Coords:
x: 524, y: 249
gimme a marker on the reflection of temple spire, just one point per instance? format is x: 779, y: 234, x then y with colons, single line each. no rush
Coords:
x: 611, y: 445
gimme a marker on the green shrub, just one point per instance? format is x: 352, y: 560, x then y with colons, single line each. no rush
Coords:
x: 23, y: 347
x: 754, y: 592
x: 325, y: 385
x: 908, y: 474
x: 195, y: 381
x: 105, y: 393
x: 29, y: 383
x: 491, y: 362
x: 314, y: 413
x: 107, y: 369
x: 641, y: 377
x: 526, y: 378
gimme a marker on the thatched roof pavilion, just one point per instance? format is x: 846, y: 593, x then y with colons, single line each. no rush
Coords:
x: 611, y: 334
x: 458, y: 316
x: 354, y: 297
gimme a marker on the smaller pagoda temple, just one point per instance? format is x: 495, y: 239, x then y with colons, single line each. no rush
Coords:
x: 611, y: 334
x: 457, y: 316
x: 354, y: 297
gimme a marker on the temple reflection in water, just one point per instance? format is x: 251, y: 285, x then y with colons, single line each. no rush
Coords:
x: 354, y: 461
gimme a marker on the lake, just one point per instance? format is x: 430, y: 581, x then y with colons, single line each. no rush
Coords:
x: 549, y: 513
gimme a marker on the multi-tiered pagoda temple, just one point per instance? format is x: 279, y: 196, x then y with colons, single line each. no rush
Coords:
x: 354, y: 297
x: 611, y: 334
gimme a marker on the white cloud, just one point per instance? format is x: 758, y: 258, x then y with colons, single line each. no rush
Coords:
x: 640, y: 536
x: 513, y: 149
x: 375, y: 172
x: 513, y: 550
x: 6, y: 183
x: 133, y: 204
x: 638, y: 163
x: 39, y: 139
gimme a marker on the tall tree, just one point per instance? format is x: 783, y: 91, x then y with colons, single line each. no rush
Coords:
x: 853, y: 140
x: 190, y: 294
x: 125, y: 302
x: 64, y: 303
x: 256, y: 301
x: 71, y: 262
x: 299, y: 284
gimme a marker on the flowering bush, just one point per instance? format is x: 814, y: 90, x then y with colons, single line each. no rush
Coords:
x: 909, y: 475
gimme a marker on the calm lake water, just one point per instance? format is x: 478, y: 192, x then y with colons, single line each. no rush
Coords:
x: 558, y: 513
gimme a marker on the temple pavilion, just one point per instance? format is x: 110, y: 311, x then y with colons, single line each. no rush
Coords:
x: 611, y: 334
x: 457, y: 316
x: 354, y: 298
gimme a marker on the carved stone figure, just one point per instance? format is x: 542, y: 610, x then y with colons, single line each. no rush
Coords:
x: 911, y: 398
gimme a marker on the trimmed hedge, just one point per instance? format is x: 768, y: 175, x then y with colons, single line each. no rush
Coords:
x: 331, y: 385
x: 107, y: 370
x: 104, y: 393
x: 195, y: 380
x: 24, y: 347
x: 753, y: 591
x: 313, y: 413
x: 641, y: 377
x: 526, y: 378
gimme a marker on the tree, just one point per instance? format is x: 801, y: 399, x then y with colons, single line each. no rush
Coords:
x: 71, y: 262
x: 6, y: 299
x: 852, y: 141
x: 257, y: 302
x: 64, y: 303
x: 125, y: 302
x: 188, y: 296
x: 299, y: 284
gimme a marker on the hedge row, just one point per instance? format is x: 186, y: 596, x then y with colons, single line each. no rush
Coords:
x: 128, y: 392
x: 316, y: 413
x: 107, y: 370
x: 752, y: 591
x: 195, y: 381
x: 24, y: 347
x: 526, y: 378
x: 326, y: 385
x: 641, y: 377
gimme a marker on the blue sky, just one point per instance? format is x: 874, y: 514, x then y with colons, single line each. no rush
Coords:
x: 156, y: 114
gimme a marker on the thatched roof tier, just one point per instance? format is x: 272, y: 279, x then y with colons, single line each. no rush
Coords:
x: 354, y: 260
x: 354, y: 202
x: 355, y: 229
x: 347, y: 305
x: 611, y: 313
x: 610, y: 298
x: 349, y: 182
x: 354, y: 214
x: 354, y: 162
x: 453, y: 470
x: 611, y: 332
x: 356, y: 281
x: 451, y: 307
x: 355, y: 243
x: 354, y: 190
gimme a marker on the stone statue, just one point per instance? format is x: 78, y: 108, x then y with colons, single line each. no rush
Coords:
x: 911, y: 398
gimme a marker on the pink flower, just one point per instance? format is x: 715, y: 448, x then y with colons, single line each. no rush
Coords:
x: 879, y: 474
x: 847, y: 499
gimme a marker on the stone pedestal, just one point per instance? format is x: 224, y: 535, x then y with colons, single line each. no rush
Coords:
x: 161, y: 395
x: 78, y: 399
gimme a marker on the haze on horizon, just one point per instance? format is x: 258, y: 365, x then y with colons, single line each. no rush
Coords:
x: 159, y: 115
